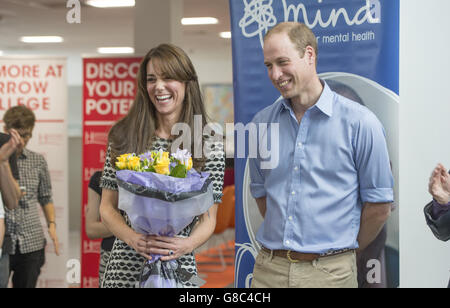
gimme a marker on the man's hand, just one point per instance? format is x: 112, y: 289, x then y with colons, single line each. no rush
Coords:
x: 439, y: 184
x: 11, y: 146
x: 49, y: 212
x: 262, y: 205
x: 8, y: 185
x: 53, y: 236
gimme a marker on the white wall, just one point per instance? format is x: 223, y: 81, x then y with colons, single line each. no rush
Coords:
x: 213, y: 64
x: 424, y: 135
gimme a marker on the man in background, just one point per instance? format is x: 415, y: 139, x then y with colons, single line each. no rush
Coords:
x: 23, y: 226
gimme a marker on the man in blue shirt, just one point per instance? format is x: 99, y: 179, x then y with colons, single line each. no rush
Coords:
x: 332, y: 190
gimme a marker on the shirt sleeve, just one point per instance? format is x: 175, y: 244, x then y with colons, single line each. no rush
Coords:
x: 439, y: 209
x: 257, y: 188
x: 372, y: 161
x: 109, y: 179
x: 215, y: 165
x: 45, y: 184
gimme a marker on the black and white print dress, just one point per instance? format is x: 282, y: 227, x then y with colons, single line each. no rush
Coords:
x: 125, y: 264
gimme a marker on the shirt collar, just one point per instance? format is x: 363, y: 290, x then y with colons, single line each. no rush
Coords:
x: 326, y: 99
x: 25, y: 153
x: 324, y: 104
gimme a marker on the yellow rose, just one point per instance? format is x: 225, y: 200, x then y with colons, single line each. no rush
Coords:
x: 121, y: 165
x: 134, y: 163
x: 162, y: 163
x: 165, y: 155
x: 189, y: 165
x: 123, y: 158
x: 122, y: 161
x: 162, y: 168
x: 162, y: 158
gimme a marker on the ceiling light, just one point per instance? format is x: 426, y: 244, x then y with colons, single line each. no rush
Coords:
x: 199, y: 21
x: 115, y: 50
x: 111, y: 3
x: 41, y: 39
x: 225, y: 35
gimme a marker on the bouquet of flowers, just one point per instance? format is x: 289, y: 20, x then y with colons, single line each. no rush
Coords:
x: 161, y: 195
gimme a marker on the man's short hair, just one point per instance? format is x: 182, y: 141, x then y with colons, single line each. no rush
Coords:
x: 19, y: 117
x: 300, y: 35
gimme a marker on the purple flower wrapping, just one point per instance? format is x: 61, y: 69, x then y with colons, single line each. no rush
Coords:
x: 155, y: 216
x: 194, y: 181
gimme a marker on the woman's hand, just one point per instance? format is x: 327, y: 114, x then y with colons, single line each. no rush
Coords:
x: 115, y: 223
x: 170, y: 248
x: 139, y: 243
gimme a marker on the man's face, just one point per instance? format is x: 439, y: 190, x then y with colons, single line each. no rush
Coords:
x: 289, y: 73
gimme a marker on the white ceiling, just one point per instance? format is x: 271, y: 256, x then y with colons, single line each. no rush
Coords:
x: 99, y: 27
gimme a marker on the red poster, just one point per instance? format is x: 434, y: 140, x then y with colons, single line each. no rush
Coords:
x: 109, y: 87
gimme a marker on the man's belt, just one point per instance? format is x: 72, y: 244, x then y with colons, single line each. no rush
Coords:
x: 295, y: 256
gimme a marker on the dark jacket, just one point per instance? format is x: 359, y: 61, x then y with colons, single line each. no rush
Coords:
x: 440, y: 225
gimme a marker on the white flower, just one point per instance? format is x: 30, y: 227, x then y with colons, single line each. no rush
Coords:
x: 182, y: 156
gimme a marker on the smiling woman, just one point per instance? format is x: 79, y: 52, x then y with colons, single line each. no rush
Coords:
x: 168, y: 93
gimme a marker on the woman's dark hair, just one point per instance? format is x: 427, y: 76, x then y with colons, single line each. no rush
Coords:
x: 135, y: 132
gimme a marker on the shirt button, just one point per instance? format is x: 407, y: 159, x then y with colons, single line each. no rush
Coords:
x: 287, y: 242
x: 299, y: 144
x: 293, y: 193
x: 290, y: 217
x: 296, y: 168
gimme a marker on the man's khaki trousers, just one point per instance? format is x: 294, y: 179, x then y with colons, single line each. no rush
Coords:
x: 338, y: 271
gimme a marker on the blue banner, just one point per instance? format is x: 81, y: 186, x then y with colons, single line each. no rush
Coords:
x: 358, y: 44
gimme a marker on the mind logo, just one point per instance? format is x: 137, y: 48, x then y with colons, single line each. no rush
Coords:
x: 259, y: 16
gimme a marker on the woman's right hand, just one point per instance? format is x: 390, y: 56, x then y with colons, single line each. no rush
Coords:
x: 138, y: 242
x: 115, y: 223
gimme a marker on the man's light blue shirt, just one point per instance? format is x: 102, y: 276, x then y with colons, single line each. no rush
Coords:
x: 330, y: 164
